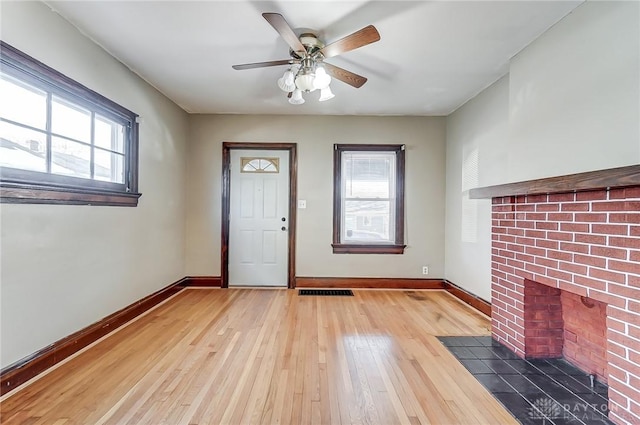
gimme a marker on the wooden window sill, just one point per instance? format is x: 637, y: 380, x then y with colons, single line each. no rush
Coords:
x: 12, y: 193
x: 367, y: 249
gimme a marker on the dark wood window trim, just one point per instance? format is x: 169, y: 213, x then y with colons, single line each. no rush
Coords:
x: 32, y: 187
x: 356, y: 248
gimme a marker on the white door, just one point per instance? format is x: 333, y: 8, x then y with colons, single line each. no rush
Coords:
x: 259, y: 217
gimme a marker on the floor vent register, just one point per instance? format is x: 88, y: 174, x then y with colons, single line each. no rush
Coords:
x: 327, y: 292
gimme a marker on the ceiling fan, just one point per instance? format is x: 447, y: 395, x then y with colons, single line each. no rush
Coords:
x: 308, y: 70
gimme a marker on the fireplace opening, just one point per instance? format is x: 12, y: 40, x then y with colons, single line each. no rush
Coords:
x: 585, y: 334
x: 561, y: 324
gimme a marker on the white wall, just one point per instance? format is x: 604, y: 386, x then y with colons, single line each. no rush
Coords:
x: 424, y: 191
x: 65, y: 267
x: 476, y: 156
x: 574, y: 94
x: 571, y: 103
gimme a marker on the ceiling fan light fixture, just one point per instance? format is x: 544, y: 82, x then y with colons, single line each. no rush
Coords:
x: 307, y: 70
x: 296, y: 98
x: 326, y: 94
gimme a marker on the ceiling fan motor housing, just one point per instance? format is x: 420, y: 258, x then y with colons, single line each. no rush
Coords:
x: 311, y: 43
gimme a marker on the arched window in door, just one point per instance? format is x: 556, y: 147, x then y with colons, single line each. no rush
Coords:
x: 260, y: 165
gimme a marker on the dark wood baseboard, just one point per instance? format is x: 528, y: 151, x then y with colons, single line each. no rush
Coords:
x: 202, y: 281
x: 395, y: 283
x: 368, y: 283
x: 474, y: 301
x: 24, y: 369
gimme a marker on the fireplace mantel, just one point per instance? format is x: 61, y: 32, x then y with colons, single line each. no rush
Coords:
x: 592, y: 180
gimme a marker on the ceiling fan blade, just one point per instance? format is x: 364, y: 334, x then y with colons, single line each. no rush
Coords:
x: 366, y: 35
x: 278, y: 22
x: 263, y: 64
x: 345, y: 76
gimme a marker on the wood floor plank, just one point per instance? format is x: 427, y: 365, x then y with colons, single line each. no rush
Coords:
x: 257, y: 356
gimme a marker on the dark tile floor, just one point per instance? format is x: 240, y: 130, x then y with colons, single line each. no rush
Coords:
x: 536, y: 392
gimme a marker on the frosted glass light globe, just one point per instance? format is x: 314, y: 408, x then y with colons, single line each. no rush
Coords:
x: 296, y: 98
x: 305, y: 82
x: 326, y: 94
x: 322, y: 79
x: 286, y: 82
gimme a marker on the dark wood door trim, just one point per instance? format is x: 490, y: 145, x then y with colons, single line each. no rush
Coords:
x: 226, y: 204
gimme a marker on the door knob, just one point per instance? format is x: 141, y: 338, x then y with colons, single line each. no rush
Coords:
x: 283, y: 228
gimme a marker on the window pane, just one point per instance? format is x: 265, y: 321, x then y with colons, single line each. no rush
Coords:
x: 108, y: 166
x: 368, y: 175
x: 259, y: 165
x: 22, y: 148
x: 70, y: 158
x: 23, y: 103
x: 367, y: 221
x: 70, y: 120
x: 109, y: 134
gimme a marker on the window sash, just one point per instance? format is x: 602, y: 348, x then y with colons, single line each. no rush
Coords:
x: 90, y: 144
x: 367, y: 236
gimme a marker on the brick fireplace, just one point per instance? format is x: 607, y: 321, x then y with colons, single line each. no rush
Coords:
x: 566, y: 283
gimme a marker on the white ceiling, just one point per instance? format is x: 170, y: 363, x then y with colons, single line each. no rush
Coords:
x: 433, y: 56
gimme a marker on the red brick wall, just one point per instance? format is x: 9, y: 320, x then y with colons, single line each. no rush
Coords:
x: 585, y: 334
x: 587, y: 243
x: 543, y: 333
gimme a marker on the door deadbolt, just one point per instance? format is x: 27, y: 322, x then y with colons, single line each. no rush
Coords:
x: 283, y: 219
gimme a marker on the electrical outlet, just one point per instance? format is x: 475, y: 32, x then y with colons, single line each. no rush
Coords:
x: 425, y: 270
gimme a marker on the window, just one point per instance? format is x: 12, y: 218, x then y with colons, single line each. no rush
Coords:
x: 368, y: 199
x: 259, y: 165
x: 61, y: 142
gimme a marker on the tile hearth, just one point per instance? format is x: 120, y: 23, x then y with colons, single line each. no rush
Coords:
x: 536, y: 392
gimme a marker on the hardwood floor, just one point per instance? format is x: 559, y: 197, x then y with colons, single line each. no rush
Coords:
x: 242, y: 356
